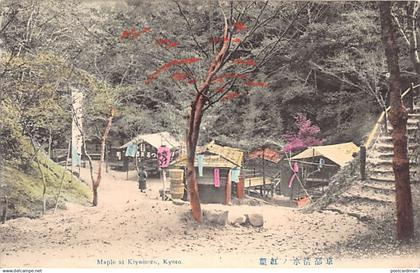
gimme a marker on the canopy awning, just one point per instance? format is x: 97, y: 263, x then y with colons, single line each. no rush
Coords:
x: 338, y: 153
x: 156, y: 140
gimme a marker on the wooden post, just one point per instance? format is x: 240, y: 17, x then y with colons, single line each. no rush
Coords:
x: 263, y: 158
x: 240, y: 190
x: 4, y: 214
x: 163, y: 184
x: 71, y: 166
x: 291, y: 191
x: 362, y: 162
x: 106, y: 159
x: 185, y: 196
x: 272, y: 189
x: 128, y: 165
x: 228, y: 190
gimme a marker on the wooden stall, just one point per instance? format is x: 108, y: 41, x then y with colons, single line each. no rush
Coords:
x: 214, y: 156
x: 147, y: 144
x: 261, y: 168
x: 317, y: 165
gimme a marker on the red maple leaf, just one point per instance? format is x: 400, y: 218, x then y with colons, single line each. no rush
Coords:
x: 134, y: 33
x: 248, y: 61
x: 125, y: 34
x: 145, y: 29
x: 230, y: 95
x: 188, y: 60
x: 219, y: 79
x: 167, y: 42
x: 168, y: 65
x: 234, y: 40
x: 179, y: 76
x: 256, y: 84
x: 238, y: 26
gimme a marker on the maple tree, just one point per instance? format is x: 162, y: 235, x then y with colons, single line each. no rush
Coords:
x: 227, y: 67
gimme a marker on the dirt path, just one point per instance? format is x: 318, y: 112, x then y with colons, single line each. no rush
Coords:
x: 142, y: 231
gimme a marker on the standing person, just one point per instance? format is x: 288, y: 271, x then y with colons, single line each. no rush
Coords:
x: 142, y: 174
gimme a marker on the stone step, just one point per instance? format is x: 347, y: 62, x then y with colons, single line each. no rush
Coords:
x: 382, y: 178
x: 379, y: 186
x: 413, y: 121
x: 409, y: 127
x: 360, y: 215
x: 386, y: 161
x: 367, y: 195
x: 377, y: 162
x: 387, y: 177
x: 388, y: 147
x: 387, y: 170
x: 388, y: 138
x: 385, y: 155
x: 414, y: 115
x: 416, y: 109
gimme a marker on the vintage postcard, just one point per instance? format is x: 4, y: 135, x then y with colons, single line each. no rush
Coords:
x: 269, y: 135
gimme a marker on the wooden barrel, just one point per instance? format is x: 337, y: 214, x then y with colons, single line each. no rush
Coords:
x: 176, y: 177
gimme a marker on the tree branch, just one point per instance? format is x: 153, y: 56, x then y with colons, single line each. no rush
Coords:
x: 190, y: 27
x: 397, y: 22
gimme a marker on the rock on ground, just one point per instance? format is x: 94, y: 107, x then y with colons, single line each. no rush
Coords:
x: 217, y: 217
x: 240, y: 220
x: 255, y: 219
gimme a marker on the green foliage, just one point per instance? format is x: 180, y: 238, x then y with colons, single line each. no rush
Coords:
x: 24, y: 188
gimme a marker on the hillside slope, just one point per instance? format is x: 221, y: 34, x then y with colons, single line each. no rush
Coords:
x: 24, y: 188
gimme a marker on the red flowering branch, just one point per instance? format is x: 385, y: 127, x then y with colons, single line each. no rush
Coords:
x: 166, y: 43
x: 249, y: 62
x: 305, y: 136
x: 239, y: 26
x: 133, y: 33
x: 168, y: 65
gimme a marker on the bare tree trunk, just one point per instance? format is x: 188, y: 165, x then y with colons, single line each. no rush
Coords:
x: 96, y: 182
x: 57, y: 198
x: 398, y: 117
x: 192, y: 138
x: 44, y: 187
x: 44, y: 184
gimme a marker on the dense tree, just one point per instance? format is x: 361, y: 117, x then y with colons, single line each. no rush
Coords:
x: 398, y: 117
x: 230, y: 57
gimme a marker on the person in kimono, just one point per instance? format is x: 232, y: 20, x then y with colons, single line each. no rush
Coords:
x: 142, y: 174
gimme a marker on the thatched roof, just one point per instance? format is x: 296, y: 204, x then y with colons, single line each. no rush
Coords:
x: 215, y: 156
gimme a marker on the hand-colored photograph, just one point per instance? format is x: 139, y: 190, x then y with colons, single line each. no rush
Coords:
x: 181, y: 134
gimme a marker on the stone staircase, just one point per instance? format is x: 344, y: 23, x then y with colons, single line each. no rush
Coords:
x: 373, y: 200
x: 379, y: 156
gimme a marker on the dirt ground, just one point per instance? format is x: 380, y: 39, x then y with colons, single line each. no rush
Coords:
x: 138, y: 230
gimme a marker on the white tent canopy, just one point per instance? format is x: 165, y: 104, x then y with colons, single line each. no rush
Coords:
x: 338, y: 153
x: 156, y: 140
